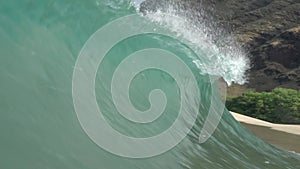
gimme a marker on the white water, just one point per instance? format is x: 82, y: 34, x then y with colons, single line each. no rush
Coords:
x: 224, y: 56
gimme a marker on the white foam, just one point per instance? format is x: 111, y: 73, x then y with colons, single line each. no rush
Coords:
x: 224, y: 56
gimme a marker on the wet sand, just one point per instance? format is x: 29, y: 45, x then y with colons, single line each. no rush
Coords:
x: 282, y: 136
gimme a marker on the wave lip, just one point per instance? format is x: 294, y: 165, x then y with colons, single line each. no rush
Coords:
x: 224, y: 56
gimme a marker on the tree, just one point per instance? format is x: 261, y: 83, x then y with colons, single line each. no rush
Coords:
x: 279, y: 106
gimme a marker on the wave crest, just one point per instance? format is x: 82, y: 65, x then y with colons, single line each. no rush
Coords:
x: 223, y: 55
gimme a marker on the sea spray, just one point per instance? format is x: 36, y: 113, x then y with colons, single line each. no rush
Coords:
x: 226, y: 58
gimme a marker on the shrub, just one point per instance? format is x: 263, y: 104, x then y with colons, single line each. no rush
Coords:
x: 279, y: 106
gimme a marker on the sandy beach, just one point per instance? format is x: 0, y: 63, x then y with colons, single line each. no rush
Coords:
x: 292, y: 129
x: 282, y: 136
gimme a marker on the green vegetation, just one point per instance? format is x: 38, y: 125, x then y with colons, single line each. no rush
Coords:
x: 279, y: 106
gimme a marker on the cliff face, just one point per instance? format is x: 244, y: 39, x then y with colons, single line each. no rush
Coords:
x: 270, y: 30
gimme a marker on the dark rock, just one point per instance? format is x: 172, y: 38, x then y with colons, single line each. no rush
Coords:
x: 269, y: 28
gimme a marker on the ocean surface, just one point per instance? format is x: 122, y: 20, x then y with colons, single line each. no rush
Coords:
x: 51, y: 78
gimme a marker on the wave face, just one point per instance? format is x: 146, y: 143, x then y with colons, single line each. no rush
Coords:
x: 43, y: 44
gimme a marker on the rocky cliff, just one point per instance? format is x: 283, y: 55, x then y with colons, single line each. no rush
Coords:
x: 270, y: 30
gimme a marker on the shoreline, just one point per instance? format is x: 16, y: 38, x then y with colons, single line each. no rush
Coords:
x: 286, y: 137
x: 291, y: 129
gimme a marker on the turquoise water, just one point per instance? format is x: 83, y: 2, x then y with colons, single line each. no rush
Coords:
x: 39, y: 45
